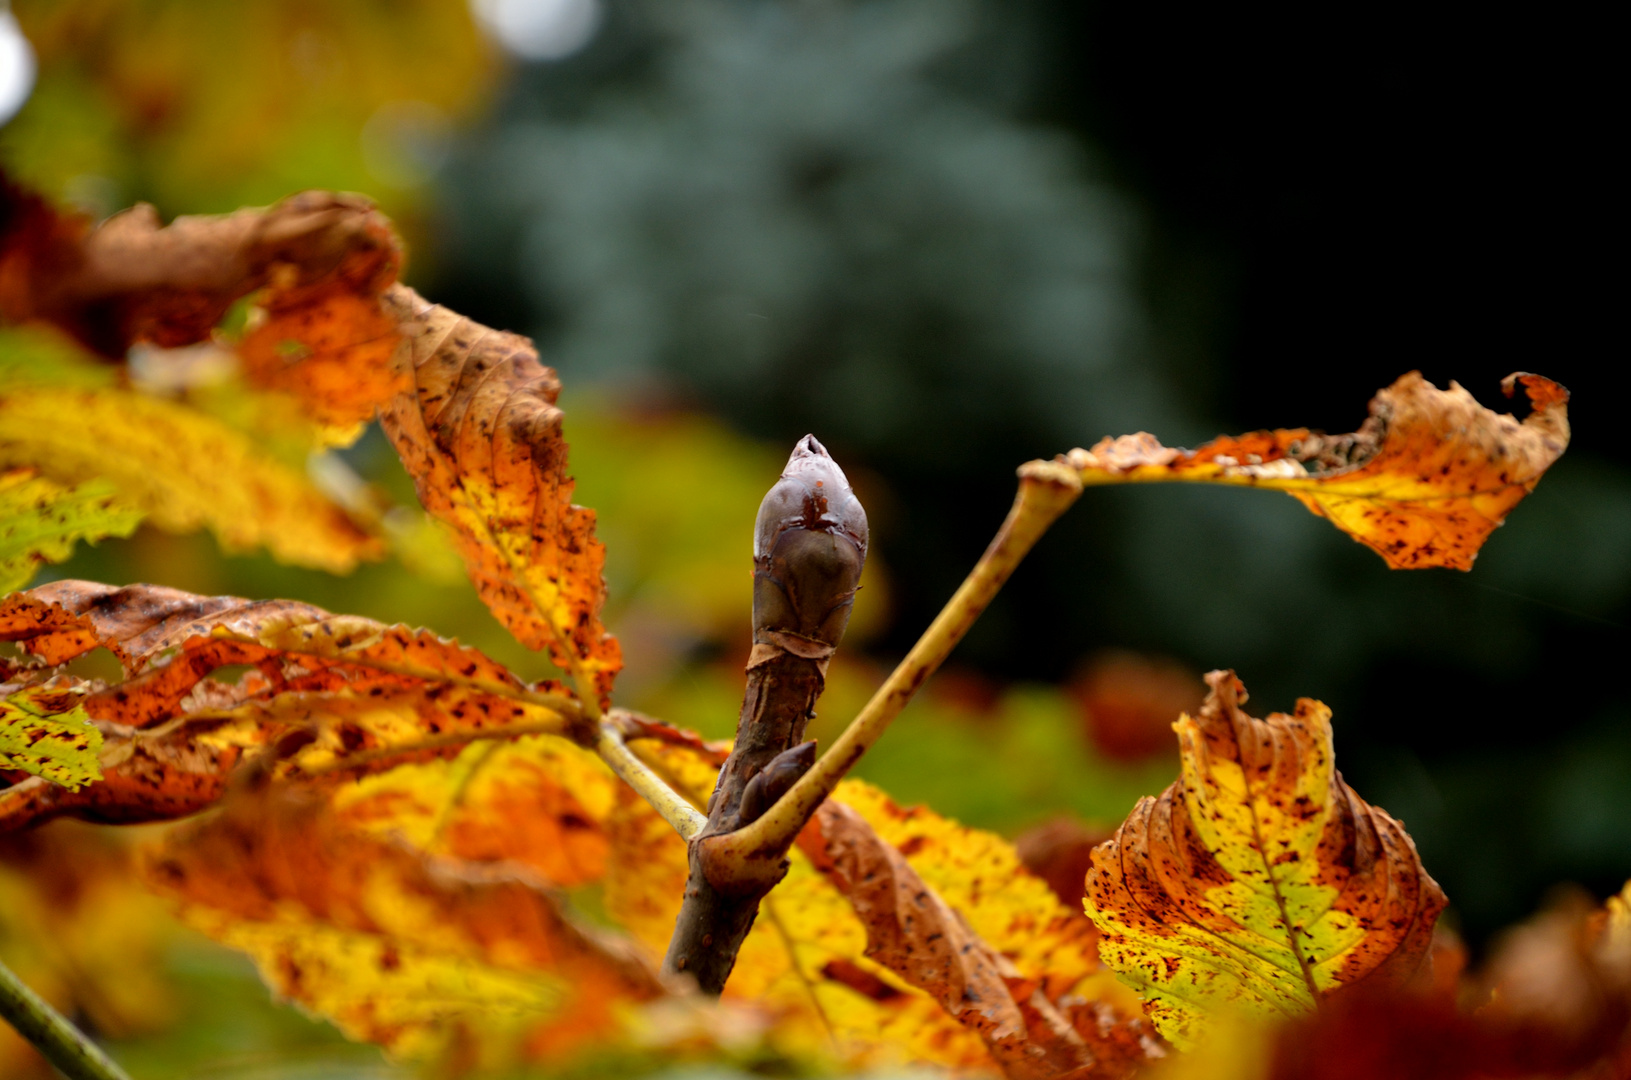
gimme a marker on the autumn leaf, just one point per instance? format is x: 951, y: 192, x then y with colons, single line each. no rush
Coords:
x: 471, y: 411
x: 182, y: 469
x: 480, y: 434
x: 1258, y: 881
x: 41, y: 520
x: 134, y: 279
x: 46, y: 732
x: 807, y: 953
x: 1423, y: 483
x: 411, y: 951
x: 540, y: 801
x: 361, y: 695
x: 915, y: 933
x: 328, y: 341
x: 317, y: 264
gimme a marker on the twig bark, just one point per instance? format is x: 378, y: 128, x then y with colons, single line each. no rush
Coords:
x: 62, y: 1044
x: 809, y: 548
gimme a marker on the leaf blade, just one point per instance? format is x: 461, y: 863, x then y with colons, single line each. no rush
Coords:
x: 41, y: 521
x: 479, y: 432
x: 183, y: 469
x: 1424, y: 482
x: 396, y: 946
x: 47, y: 733
x: 1258, y: 881
x: 358, y: 695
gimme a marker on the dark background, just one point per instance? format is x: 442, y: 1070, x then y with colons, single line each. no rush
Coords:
x: 1300, y: 207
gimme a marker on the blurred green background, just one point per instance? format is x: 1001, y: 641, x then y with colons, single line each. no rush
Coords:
x: 947, y: 237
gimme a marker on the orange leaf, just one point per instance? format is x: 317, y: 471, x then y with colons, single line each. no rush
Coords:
x: 1423, y: 483
x: 540, y: 801
x: 328, y: 341
x: 362, y: 693
x: 481, y: 436
x: 413, y: 951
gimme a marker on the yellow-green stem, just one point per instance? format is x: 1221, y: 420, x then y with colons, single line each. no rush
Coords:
x: 62, y: 1044
x: 686, y: 819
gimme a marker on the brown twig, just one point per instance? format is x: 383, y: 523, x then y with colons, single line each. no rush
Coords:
x: 809, y: 547
x: 754, y: 852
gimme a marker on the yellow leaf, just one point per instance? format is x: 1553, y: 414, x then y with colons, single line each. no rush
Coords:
x: 1258, y: 881
x: 40, y: 520
x: 180, y: 467
x: 47, y: 732
x: 1423, y: 483
x: 411, y: 951
x: 540, y: 801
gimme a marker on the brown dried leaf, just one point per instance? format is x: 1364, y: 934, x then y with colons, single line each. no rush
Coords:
x: 915, y: 934
x: 132, y: 278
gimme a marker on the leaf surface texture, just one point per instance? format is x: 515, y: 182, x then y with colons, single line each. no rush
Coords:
x: 1423, y: 483
x: 1258, y: 880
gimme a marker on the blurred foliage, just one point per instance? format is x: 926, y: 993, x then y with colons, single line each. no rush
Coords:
x: 204, y: 108
x: 842, y: 216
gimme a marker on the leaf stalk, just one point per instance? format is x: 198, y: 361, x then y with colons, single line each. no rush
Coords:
x: 686, y: 819
x: 62, y: 1044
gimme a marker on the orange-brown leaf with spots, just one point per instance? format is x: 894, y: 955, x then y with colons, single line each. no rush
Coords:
x: 914, y: 933
x: 1423, y: 483
x: 1258, y: 881
x: 132, y: 278
x: 479, y: 432
x: 358, y: 694
x: 407, y: 949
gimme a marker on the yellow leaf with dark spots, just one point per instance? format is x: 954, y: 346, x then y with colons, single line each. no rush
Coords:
x: 1258, y: 881
x: 1423, y: 483
x: 40, y: 521
x: 47, y: 732
x: 478, y: 430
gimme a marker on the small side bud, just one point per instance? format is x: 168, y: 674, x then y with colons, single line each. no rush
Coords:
x: 772, y: 782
